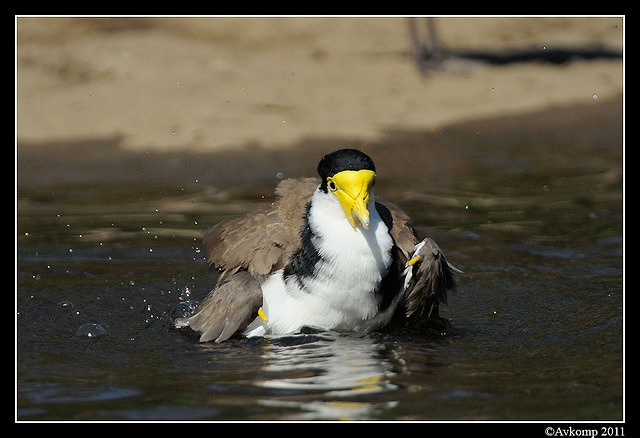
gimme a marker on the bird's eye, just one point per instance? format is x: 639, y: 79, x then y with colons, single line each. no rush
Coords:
x: 332, y: 185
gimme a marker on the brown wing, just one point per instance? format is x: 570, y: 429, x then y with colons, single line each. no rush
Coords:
x: 246, y: 249
x: 229, y: 307
x: 261, y: 240
x: 432, y: 274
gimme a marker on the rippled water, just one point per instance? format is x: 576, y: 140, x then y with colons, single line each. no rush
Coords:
x: 537, y: 322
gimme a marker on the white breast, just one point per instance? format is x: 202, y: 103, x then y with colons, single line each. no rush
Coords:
x: 341, y: 295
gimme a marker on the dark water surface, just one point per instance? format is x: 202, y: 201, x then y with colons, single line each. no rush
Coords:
x: 533, y: 216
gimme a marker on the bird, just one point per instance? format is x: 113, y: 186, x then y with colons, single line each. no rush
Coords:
x: 327, y: 254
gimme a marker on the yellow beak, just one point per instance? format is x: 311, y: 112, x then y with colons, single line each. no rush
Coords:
x: 352, y: 188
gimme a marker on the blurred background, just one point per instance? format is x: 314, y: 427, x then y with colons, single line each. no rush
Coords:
x: 115, y: 91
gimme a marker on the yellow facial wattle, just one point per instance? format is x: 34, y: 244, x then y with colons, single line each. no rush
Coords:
x: 353, y: 188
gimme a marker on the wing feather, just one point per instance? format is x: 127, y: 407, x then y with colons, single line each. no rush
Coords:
x: 228, y: 308
x: 262, y: 240
x: 246, y: 249
x: 428, y: 279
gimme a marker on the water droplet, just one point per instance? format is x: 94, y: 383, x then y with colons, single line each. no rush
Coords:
x: 595, y: 97
x: 90, y: 330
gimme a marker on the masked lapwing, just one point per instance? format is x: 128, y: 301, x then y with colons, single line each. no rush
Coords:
x: 327, y: 254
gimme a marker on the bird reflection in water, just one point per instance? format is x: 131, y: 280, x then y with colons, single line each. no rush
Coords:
x: 327, y: 375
